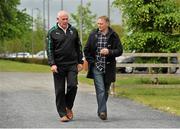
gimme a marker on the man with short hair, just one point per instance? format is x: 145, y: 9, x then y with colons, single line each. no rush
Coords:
x: 102, y: 47
x: 64, y: 52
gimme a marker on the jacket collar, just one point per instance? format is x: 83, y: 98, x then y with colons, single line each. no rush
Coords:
x: 110, y: 31
x: 69, y: 26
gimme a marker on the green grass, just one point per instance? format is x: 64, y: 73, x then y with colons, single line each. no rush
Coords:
x: 82, y: 78
x: 12, y: 66
x: 146, y: 79
x: 165, y: 96
x: 159, y: 97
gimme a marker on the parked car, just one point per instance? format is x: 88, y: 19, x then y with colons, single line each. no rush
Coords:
x: 41, y: 54
x: 131, y: 59
x: 172, y: 70
x: 123, y: 60
x: 19, y: 55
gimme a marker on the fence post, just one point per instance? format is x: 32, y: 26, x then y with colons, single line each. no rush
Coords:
x: 150, y: 70
x: 168, y: 59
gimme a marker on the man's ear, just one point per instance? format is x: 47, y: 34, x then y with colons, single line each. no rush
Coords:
x: 57, y: 19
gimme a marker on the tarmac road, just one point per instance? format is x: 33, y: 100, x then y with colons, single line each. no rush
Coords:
x: 27, y: 101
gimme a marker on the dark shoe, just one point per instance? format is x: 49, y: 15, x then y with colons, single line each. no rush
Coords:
x: 64, y: 119
x: 103, y: 116
x: 69, y: 114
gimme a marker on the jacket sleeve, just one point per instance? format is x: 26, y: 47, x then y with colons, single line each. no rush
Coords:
x: 79, y: 50
x: 118, y: 49
x: 87, y: 50
x: 50, y: 49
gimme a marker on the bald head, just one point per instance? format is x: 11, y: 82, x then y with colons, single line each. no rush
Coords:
x: 62, y: 13
x: 63, y: 19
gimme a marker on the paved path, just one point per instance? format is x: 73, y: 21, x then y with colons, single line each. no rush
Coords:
x: 27, y: 100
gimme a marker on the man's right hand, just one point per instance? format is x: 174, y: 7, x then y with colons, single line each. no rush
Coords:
x: 54, y: 69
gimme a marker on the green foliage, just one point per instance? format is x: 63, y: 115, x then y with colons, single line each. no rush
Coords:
x: 152, y: 25
x: 151, y: 42
x: 178, y: 2
x: 118, y: 29
x: 13, y: 23
x: 30, y: 41
x: 39, y: 35
x: 168, y: 23
x: 88, y: 20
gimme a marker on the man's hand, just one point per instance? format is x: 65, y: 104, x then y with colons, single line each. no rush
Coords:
x: 104, y: 51
x: 79, y: 67
x: 54, y: 69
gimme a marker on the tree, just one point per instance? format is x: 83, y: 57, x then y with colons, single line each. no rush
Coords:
x: 178, y: 2
x: 152, y: 25
x: 39, y: 34
x: 31, y: 41
x: 13, y: 23
x: 88, y: 20
x: 118, y: 29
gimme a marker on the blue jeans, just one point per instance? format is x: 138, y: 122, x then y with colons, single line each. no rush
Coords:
x: 102, y: 89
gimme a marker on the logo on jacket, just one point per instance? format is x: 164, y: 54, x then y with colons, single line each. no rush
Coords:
x: 71, y: 32
x: 58, y: 33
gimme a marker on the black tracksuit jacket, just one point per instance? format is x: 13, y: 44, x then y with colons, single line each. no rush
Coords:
x: 64, y: 49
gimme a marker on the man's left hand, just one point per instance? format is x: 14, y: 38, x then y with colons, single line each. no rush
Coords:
x: 104, y: 51
x: 79, y: 67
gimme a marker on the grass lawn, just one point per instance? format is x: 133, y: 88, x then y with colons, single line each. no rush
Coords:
x: 164, y: 96
x: 12, y: 66
x: 159, y: 97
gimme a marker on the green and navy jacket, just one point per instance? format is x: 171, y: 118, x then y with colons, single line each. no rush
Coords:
x: 64, y: 48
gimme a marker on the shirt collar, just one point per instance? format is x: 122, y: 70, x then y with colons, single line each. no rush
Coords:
x: 103, y: 33
x: 63, y: 28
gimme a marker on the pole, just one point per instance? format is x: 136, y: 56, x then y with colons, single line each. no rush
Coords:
x: 44, y: 29
x: 81, y: 22
x: 32, y: 42
x: 48, y: 16
x: 61, y: 4
x: 108, y: 10
x: 44, y: 21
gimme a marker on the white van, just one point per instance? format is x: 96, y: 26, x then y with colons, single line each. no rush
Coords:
x: 41, y: 54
